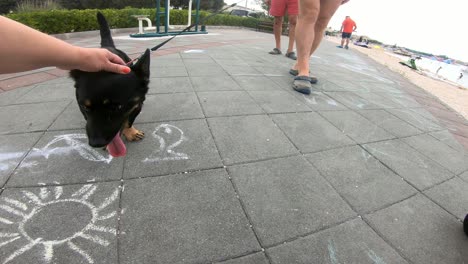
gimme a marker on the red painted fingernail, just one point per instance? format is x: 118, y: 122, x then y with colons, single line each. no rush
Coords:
x: 126, y: 70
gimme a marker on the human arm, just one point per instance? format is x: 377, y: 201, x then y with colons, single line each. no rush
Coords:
x: 267, y: 2
x: 23, y: 48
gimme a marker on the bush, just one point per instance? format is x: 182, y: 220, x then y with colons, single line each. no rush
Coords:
x: 64, y: 21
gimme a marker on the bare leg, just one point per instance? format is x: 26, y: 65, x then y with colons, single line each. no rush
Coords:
x: 305, y: 33
x: 277, y: 29
x: 292, y: 30
x: 327, y: 9
x: 342, y: 42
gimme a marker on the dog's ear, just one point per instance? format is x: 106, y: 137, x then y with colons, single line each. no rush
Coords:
x: 141, y: 68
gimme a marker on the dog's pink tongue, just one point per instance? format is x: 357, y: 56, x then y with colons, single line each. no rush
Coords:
x: 116, y: 147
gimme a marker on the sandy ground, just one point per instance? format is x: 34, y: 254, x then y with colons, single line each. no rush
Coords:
x: 451, y: 95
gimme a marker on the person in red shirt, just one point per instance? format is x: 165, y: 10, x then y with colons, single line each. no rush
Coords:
x: 278, y: 10
x: 347, y: 29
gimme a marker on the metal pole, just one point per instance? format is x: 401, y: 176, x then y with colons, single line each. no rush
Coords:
x: 197, y: 15
x: 158, y: 9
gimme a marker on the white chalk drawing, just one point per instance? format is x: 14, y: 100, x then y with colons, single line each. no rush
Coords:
x: 5, y: 159
x: 49, y: 202
x: 334, y: 259
x: 75, y: 142
x: 312, y: 100
x: 166, y: 152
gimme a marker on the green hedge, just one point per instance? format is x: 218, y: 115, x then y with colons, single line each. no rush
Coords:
x: 64, y: 21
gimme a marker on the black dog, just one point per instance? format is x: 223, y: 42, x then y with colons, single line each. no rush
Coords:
x: 465, y: 225
x: 110, y: 102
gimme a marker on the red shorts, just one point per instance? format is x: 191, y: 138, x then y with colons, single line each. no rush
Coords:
x: 278, y: 7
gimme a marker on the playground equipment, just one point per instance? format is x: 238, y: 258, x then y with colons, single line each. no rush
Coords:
x: 143, y: 32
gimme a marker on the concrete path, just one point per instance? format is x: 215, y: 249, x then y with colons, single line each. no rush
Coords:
x: 236, y: 167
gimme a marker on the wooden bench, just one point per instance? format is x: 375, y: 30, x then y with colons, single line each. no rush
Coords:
x: 267, y: 26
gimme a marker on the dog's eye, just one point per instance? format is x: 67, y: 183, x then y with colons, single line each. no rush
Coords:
x: 84, y: 107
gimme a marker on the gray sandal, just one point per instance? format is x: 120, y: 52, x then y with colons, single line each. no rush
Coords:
x: 313, y: 80
x: 275, y: 51
x: 291, y: 55
x: 302, y: 84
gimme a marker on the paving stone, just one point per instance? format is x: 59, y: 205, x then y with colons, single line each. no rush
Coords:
x: 164, y: 62
x: 453, y: 160
x: 278, y: 102
x: 71, y: 118
x: 360, y: 178
x: 422, y: 231
x: 452, y: 196
x: 382, y: 87
x: 390, y: 123
x: 240, y: 70
x: 29, y: 117
x: 356, y: 127
x: 256, y: 83
x: 215, y: 83
x: 163, y: 107
x: 402, y: 99
x: 320, y: 101
x: 184, y: 218
x: 170, y: 85
x: 464, y: 176
x: 272, y: 71
x: 416, y: 119
x: 328, y: 86
x: 353, y: 101
x: 286, y: 198
x: 414, y: 167
x: 351, y: 242
x: 380, y: 99
x: 65, y: 157
x: 49, y: 92
x: 257, y: 258
x: 13, y: 148
x: 255, y: 137
x: 447, y: 138
x: 172, y: 147
x: 170, y: 71
x: 194, y: 70
x: 11, y: 97
x: 228, y: 103
x: 310, y: 132
x: 60, y: 224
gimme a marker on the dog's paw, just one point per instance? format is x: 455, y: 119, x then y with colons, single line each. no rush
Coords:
x: 133, y: 134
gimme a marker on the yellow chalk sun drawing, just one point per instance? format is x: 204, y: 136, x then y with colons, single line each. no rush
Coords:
x: 60, y: 214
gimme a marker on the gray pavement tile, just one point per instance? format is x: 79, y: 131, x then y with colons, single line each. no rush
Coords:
x: 170, y: 71
x: 356, y: 127
x: 452, y: 195
x: 416, y: 119
x: 278, y: 102
x: 390, y: 123
x: 65, y: 157
x: 256, y: 83
x: 310, y: 132
x: 184, y: 218
x: 11, y: 97
x: 422, y: 231
x: 447, y: 137
x: 231, y: 62
x: 360, y: 178
x: 13, y: 148
x: 249, y: 138
x: 209, y: 71
x: 163, y: 107
x: 351, y: 242
x: 380, y: 87
x: 414, y: 167
x: 162, y: 62
x: 286, y: 198
x: 464, y: 176
x: 195, y: 54
x: 344, y: 83
x: 328, y: 86
x: 170, y: 85
x: 380, y: 99
x: 71, y: 118
x: 319, y: 101
x: 240, y: 70
x: 273, y: 70
x: 453, y: 160
x: 402, y: 99
x: 29, y: 117
x: 228, y: 103
x: 49, y: 92
x: 353, y: 101
x: 171, y: 148
x: 257, y: 258
x: 214, y: 83
x: 60, y: 224
x: 199, y: 62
